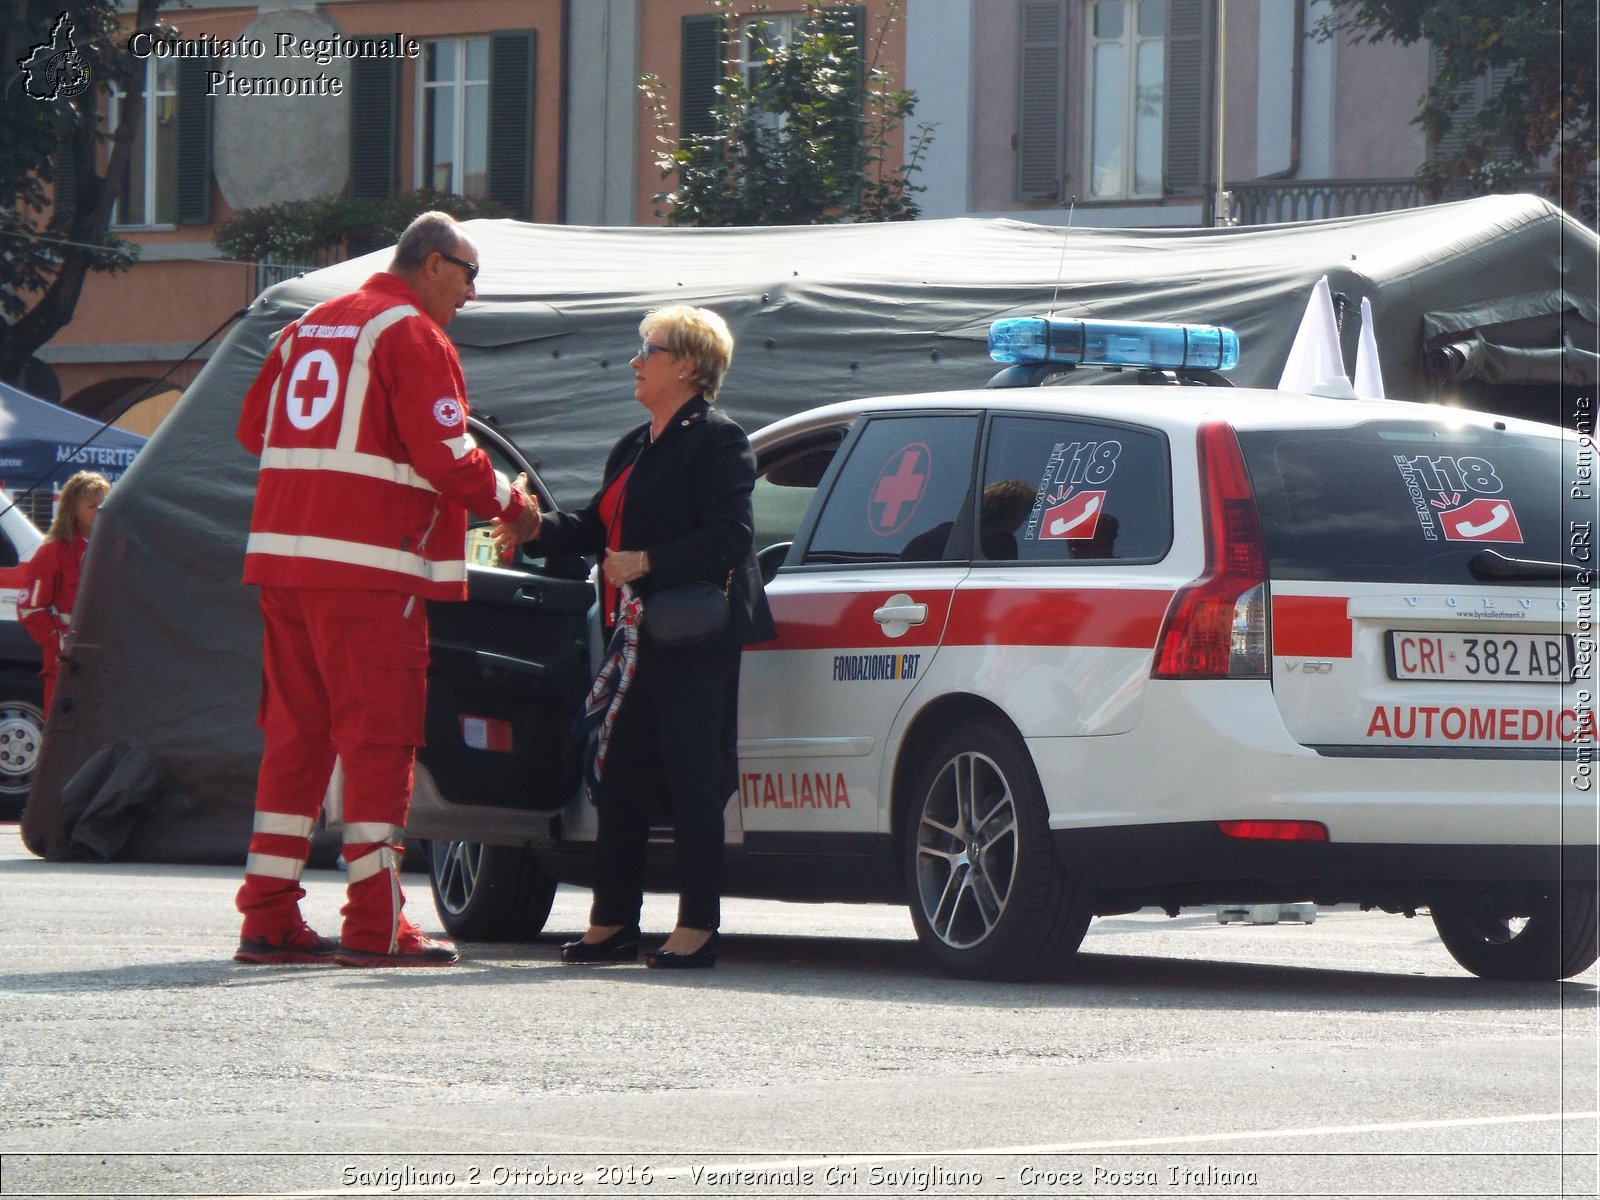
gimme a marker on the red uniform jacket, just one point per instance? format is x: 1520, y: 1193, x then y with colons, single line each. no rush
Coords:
x: 50, y: 588
x: 359, y: 416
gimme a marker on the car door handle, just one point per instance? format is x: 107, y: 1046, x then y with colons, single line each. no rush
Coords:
x: 570, y: 596
x: 900, y: 610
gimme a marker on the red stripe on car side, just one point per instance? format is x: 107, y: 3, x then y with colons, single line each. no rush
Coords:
x: 1119, y: 617
x: 1312, y: 627
x: 841, y: 620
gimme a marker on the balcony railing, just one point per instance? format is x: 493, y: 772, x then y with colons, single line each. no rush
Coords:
x: 270, y: 271
x: 1268, y: 203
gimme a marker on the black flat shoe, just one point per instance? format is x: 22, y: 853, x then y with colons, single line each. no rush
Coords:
x: 666, y: 960
x: 621, y: 946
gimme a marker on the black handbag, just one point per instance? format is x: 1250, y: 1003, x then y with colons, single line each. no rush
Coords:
x: 690, y: 615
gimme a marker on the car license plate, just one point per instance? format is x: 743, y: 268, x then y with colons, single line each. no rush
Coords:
x: 1481, y: 657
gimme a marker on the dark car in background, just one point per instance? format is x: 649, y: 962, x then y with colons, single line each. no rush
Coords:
x: 21, y: 689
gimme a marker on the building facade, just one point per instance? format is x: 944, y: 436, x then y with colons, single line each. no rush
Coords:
x: 1099, y: 112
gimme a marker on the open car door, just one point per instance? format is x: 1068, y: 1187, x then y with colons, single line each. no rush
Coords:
x: 508, y: 672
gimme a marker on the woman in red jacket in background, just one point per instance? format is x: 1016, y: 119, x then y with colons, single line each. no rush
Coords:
x: 52, y: 573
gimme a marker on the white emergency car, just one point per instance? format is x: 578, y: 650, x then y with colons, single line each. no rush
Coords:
x: 1052, y: 652
x: 21, y: 690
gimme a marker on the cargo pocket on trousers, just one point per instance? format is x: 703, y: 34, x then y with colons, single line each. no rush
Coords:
x: 396, y: 691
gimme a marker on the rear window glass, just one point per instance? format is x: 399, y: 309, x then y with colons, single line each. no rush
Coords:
x: 1057, y: 490
x: 1408, y: 501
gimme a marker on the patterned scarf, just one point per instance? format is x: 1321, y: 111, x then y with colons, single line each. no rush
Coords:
x: 610, y: 686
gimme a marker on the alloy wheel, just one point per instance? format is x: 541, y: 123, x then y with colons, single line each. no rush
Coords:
x: 456, y: 866
x: 966, y: 861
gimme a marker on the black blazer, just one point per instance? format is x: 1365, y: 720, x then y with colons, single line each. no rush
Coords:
x: 687, y: 505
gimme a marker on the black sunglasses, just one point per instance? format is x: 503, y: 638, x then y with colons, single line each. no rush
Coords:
x: 471, y: 268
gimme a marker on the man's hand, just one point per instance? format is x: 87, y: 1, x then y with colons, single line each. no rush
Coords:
x: 509, y: 534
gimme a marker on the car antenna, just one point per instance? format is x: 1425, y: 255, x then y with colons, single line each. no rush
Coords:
x: 1061, y: 265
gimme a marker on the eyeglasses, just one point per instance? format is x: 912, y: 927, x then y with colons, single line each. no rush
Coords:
x: 471, y: 268
x: 649, y: 347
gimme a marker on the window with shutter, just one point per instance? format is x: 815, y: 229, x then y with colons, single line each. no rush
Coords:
x: 1127, y: 86
x: 475, y: 100
x: 1191, y: 53
x: 760, y: 34
x: 453, y: 116
x: 512, y: 66
x: 701, y: 73
x: 66, y: 168
x: 374, y: 127
x: 150, y: 192
x: 1469, y: 100
x: 1042, y: 101
x: 193, y: 204
x: 849, y: 21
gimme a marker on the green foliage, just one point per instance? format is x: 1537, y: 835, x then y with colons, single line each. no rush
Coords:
x: 1546, y: 107
x: 46, y: 248
x: 806, y: 141
x: 317, y: 231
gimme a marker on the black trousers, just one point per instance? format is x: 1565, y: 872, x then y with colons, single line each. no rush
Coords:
x: 673, y: 755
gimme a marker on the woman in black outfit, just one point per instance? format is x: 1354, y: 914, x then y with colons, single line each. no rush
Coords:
x: 673, y: 508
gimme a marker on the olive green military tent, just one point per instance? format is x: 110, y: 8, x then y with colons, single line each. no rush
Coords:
x: 151, y: 752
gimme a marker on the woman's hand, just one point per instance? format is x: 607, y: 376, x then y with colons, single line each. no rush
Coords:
x: 625, y: 566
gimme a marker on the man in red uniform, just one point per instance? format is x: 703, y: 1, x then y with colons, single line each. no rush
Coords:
x: 367, y: 470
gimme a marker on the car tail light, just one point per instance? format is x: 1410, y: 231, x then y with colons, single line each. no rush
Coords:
x: 1276, y: 831
x: 1216, y: 627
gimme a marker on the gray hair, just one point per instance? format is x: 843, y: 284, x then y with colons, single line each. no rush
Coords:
x: 429, y: 233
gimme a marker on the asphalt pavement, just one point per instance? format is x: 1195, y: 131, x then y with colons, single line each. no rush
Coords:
x: 822, y: 1057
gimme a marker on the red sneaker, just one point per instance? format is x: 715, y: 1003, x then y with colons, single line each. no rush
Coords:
x: 303, y: 945
x: 413, y: 948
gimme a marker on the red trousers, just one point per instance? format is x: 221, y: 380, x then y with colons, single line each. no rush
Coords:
x: 49, y: 677
x: 344, y: 676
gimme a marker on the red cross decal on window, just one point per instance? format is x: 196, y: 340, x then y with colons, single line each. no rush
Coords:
x: 899, y: 488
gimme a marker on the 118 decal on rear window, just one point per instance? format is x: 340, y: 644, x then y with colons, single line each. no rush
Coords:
x: 1441, y: 490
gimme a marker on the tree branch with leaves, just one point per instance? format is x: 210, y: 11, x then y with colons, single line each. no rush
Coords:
x: 1544, y: 109
x: 49, y: 241
x: 806, y: 138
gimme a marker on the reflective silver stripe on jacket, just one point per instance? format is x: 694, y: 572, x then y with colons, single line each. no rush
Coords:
x: 336, y: 550
x: 355, y: 392
x: 348, y: 462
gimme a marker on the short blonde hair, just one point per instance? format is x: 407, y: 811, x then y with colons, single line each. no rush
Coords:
x: 697, y: 334
x: 85, y: 485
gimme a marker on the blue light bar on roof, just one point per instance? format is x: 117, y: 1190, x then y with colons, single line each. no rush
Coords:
x: 1113, y: 344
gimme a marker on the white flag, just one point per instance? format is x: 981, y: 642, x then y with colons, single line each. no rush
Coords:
x: 1315, y: 360
x: 1369, y: 372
